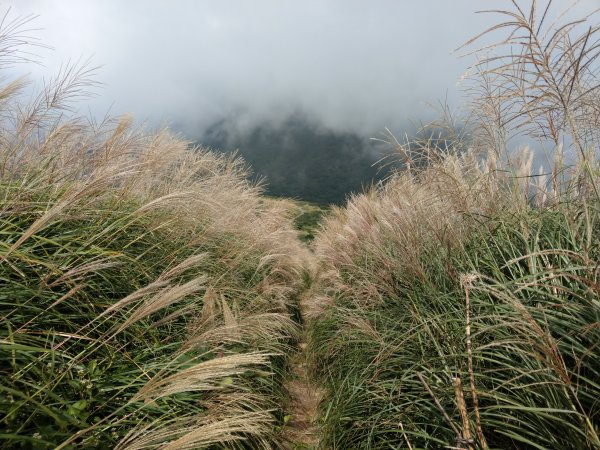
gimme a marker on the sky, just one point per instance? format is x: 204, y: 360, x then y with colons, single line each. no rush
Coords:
x: 348, y: 64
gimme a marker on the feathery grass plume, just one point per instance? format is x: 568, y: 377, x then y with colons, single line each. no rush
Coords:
x: 114, y: 243
x: 232, y: 426
x: 540, y: 80
x: 203, y: 376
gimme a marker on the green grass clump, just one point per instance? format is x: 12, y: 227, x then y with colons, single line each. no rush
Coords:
x: 308, y: 220
x: 68, y: 366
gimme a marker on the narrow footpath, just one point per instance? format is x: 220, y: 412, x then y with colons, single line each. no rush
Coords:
x: 301, y: 431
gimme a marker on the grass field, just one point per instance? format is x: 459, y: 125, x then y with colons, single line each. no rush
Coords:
x: 152, y: 298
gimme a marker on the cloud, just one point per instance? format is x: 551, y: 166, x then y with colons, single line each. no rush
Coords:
x: 350, y: 64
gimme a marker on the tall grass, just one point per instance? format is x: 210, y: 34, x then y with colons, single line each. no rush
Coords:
x: 146, y: 288
x: 394, y: 334
x: 460, y: 301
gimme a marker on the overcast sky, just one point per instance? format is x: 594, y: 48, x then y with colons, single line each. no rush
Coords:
x: 357, y: 65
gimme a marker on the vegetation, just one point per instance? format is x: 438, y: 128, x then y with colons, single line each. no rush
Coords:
x: 460, y: 300
x: 147, y: 290
x: 396, y: 339
x: 308, y: 219
x: 152, y: 297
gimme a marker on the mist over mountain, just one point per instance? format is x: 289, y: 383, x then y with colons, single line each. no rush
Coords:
x: 301, y: 158
x: 232, y: 75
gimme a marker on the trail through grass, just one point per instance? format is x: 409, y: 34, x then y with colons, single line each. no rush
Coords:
x: 304, y: 393
x: 152, y: 298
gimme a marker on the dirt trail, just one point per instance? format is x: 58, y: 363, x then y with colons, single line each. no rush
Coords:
x: 304, y: 396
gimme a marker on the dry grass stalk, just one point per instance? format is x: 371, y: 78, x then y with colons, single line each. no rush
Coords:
x: 465, y: 437
x: 162, y: 299
x: 438, y: 405
x: 466, y: 282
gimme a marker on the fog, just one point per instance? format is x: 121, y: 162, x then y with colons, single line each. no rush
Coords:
x: 298, y: 87
x: 348, y: 64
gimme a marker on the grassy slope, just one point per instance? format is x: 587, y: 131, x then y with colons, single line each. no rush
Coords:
x: 147, y: 290
x: 533, y: 325
x: 459, y: 302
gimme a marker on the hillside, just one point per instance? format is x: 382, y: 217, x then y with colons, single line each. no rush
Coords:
x: 302, y: 160
x: 155, y: 295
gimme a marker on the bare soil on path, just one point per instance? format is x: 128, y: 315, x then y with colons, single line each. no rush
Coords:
x: 301, y: 431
